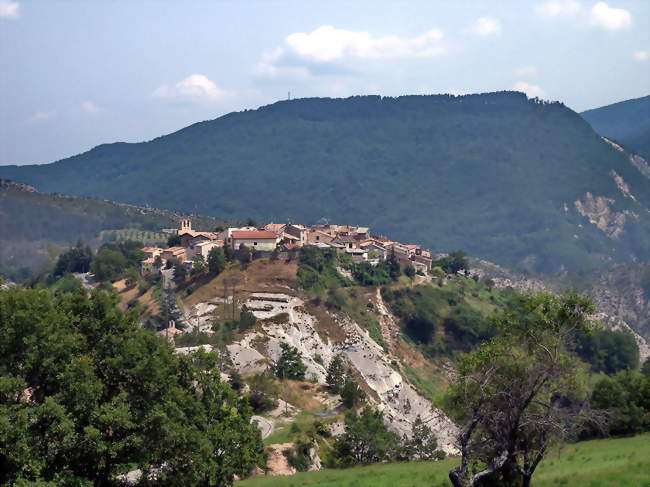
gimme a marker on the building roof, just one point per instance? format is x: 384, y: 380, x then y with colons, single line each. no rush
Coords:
x: 254, y: 234
x: 345, y: 239
x: 362, y: 229
x: 149, y: 249
x: 275, y: 227
x: 209, y: 242
x: 291, y: 246
x: 175, y: 250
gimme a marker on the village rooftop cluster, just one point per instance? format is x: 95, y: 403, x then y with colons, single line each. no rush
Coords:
x: 285, y: 239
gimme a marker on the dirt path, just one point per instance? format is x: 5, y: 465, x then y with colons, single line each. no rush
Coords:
x: 264, y: 425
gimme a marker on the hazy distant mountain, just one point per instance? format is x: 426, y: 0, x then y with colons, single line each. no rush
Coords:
x: 627, y: 122
x: 524, y: 183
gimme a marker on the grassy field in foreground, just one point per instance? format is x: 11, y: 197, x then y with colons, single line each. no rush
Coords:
x: 620, y: 462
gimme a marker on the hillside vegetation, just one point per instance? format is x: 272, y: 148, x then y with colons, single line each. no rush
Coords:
x: 495, y: 174
x: 627, y: 122
x: 620, y: 462
x: 33, y: 225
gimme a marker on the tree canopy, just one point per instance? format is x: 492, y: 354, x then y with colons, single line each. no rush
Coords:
x: 521, y: 392
x: 86, y: 395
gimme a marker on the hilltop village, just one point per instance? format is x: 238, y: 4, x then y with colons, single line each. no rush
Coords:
x: 283, y: 240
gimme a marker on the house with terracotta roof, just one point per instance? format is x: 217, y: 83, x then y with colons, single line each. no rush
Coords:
x: 347, y: 241
x: 261, y: 240
x: 297, y: 231
x: 277, y: 228
x: 177, y: 253
x: 315, y: 236
x: 372, y: 245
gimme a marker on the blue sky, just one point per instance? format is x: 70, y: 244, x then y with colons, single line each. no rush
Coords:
x: 75, y: 74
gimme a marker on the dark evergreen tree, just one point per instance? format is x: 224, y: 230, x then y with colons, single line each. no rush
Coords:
x: 290, y: 365
x: 336, y: 374
x: 216, y: 261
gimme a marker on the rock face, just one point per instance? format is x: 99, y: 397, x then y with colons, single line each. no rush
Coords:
x: 637, y: 161
x: 599, y: 212
x: 392, y: 393
x: 624, y: 293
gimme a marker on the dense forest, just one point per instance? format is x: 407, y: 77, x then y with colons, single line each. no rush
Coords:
x: 496, y: 174
x: 34, y: 226
x: 627, y: 122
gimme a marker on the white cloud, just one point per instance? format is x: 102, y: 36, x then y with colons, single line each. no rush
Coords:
x: 526, y: 71
x: 195, y: 87
x: 642, y: 55
x: 485, y: 26
x: 558, y: 8
x: 42, y: 116
x: 9, y: 9
x: 531, y: 90
x: 91, y: 107
x: 609, y: 18
x: 303, y: 54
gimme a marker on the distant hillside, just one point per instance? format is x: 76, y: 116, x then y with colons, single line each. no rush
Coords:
x: 29, y: 221
x: 524, y: 183
x: 627, y: 122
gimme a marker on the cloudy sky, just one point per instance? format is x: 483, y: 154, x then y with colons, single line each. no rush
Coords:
x: 74, y: 74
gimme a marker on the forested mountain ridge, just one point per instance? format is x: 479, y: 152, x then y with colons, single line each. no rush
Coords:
x: 627, y: 122
x: 524, y: 183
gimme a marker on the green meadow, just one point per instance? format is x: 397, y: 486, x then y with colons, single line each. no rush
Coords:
x: 617, y: 462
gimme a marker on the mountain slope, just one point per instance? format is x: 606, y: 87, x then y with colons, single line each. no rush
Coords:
x: 30, y: 220
x: 627, y: 122
x: 496, y: 174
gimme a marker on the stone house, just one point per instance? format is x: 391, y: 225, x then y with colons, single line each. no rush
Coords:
x: 262, y: 240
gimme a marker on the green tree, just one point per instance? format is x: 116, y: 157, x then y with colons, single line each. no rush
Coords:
x: 174, y: 240
x: 198, y: 265
x: 626, y: 397
x: 608, y: 351
x: 108, y: 264
x: 365, y: 440
x: 422, y: 445
x: 244, y: 254
x: 132, y: 276
x: 351, y: 394
x: 216, y: 261
x: 336, y: 374
x: 409, y: 271
x: 75, y: 259
x: 520, y: 392
x: 227, y: 252
x: 246, y: 320
x: 645, y: 368
x: 394, y: 270
x: 290, y: 365
x: 180, y: 273
x: 100, y: 395
x: 454, y: 262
